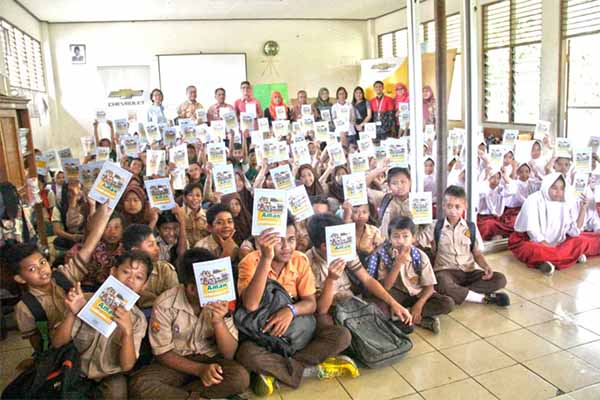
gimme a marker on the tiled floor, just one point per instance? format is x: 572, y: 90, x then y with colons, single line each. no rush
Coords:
x: 546, y: 345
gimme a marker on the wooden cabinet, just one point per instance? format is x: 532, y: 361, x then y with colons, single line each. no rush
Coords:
x: 17, y: 158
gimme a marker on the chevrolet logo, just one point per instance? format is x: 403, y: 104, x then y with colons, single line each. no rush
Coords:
x: 126, y: 93
x: 382, y: 66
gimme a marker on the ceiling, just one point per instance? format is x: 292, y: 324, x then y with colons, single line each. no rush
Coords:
x: 144, y: 10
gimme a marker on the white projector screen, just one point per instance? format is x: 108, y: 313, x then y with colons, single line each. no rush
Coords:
x: 205, y: 71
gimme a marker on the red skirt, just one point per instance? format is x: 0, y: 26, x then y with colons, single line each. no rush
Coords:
x: 509, y: 217
x: 563, y: 255
x: 490, y: 226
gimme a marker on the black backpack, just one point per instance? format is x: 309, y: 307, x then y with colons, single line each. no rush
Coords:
x: 376, y: 341
x: 385, y: 202
x: 251, y: 324
x: 437, y: 233
x: 56, y: 372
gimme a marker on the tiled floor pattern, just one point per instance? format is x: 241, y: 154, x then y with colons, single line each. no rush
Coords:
x: 546, y: 345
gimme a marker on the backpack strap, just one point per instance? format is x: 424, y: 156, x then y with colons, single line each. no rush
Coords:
x: 416, y: 260
x: 385, y: 202
x: 473, y: 232
x: 41, y: 319
x: 62, y: 281
x: 437, y: 232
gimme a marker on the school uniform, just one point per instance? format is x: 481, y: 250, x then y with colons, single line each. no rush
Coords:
x: 395, y: 208
x: 455, y: 268
x: 195, y: 225
x: 209, y: 243
x: 174, y: 326
x: 554, y: 222
x: 100, y: 356
x: 329, y: 340
x: 53, y: 302
x: 491, y: 209
x: 342, y: 286
x: 369, y: 240
x: 409, y: 285
x: 517, y: 191
x: 162, y: 278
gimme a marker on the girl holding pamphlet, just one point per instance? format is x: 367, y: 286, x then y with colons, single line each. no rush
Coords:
x: 241, y: 217
x: 307, y: 175
x: 134, y: 206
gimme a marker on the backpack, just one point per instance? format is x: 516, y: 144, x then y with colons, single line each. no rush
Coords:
x: 250, y: 324
x: 376, y: 341
x: 385, y: 202
x: 382, y: 254
x: 437, y: 233
x: 55, y: 373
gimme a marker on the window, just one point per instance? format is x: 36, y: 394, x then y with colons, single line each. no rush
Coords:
x: 581, y: 31
x: 512, y: 33
x: 22, y: 58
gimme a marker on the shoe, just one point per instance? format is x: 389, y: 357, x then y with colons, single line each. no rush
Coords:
x: 547, y: 268
x: 263, y: 385
x: 431, y: 323
x: 498, y: 298
x: 582, y: 259
x: 338, y: 366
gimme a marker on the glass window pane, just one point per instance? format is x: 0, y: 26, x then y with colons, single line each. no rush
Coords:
x: 387, y: 45
x: 496, y: 85
x: 526, y: 81
x: 401, y: 43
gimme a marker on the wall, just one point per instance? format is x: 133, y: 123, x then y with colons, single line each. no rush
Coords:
x: 17, y: 16
x: 312, y: 54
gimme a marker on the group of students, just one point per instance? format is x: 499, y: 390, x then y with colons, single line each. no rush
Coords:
x: 412, y: 273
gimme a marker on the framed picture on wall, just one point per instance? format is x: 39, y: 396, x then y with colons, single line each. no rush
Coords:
x: 77, y: 53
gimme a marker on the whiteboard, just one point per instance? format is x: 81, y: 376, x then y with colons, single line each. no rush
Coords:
x: 205, y: 71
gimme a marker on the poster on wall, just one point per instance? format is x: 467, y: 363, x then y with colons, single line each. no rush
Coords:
x: 78, y: 54
x: 125, y: 89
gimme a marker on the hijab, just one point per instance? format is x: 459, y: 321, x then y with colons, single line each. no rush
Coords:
x: 405, y: 97
x: 243, y: 222
x: 321, y: 104
x: 272, y: 106
x: 141, y: 217
x: 428, y: 107
x: 245, y: 194
x: 545, y: 219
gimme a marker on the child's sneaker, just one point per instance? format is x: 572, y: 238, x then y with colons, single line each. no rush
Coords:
x: 337, y: 366
x: 263, y: 385
x: 547, y: 268
x: 582, y: 259
x: 498, y: 298
x: 431, y: 323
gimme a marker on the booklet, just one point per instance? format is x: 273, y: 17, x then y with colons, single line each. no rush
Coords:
x: 326, y: 115
x: 89, y: 173
x: 201, y: 116
x: 282, y: 177
x: 178, y: 155
x: 101, y: 116
x: 429, y: 132
x: 594, y: 143
x: 308, y: 124
x: 580, y: 182
x: 251, y: 109
x: 270, y: 148
x: 179, y: 179
x: 510, y: 136
x: 156, y: 163
x: 263, y: 125
x: 131, y: 145
x: 217, y: 154
x: 321, y: 131
x: 397, y: 151
x: 341, y: 125
x: 497, y: 152
x: 366, y: 147
x: 230, y: 119
x: 355, y: 188
x: 563, y: 148
x: 542, y: 129
x: 403, y: 115
x: 51, y: 159
x: 214, y: 280
x: 523, y: 151
x: 421, y: 207
x: 269, y: 211
x: 88, y: 145
x: 380, y: 153
x: 224, y: 179
x: 202, y: 133
x: 217, y: 130
x: 281, y: 128
x: 160, y: 193
x: 65, y: 153
x: 306, y: 109
x: 341, y: 242
x: 298, y: 203
x: 296, y: 128
x: 110, y: 184
x: 121, y: 126
x: 188, y: 132
x: 170, y: 136
x: 336, y: 153
x: 71, y: 168
x: 98, y: 312
x: 246, y: 121
x: 280, y: 112
x: 283, y: 151
x: 583, y: 159
x: 371, y: 130
x: 41, y: 164
x: 359, y: 162
x: 102, y: 153
x: 301, y: 153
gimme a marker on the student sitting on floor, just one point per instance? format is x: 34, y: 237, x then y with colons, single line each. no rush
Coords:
x: 407, y: 274
x: 30, y: 268
x: 163, y: 276
x: 517, y: 191
x: 194, y: 345
x: 548, y: 233
x: 172, y: 240
x: 461, y: 270
x: 333, y: 282
x: 491, y: 207
x: 278, y: 260
x: 220, y: 224
x: 107, y: 359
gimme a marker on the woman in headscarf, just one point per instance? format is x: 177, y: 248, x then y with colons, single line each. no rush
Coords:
x: 241, y: 217
x: 69, y: 217
x: 402, y: 97
x: 428, y: 106
x: 323, y: 104
x: 135, y: 208
x: 308, y: 176
x: 276, y: 101
x: 242, y: 186
x: 548, y: 234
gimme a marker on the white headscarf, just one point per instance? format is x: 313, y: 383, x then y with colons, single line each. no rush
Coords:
x: 544, y: 219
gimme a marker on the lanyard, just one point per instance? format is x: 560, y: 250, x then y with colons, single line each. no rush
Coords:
x: 379, y: 103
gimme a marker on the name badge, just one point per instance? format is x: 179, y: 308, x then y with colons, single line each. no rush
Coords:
x: 378, y: 123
